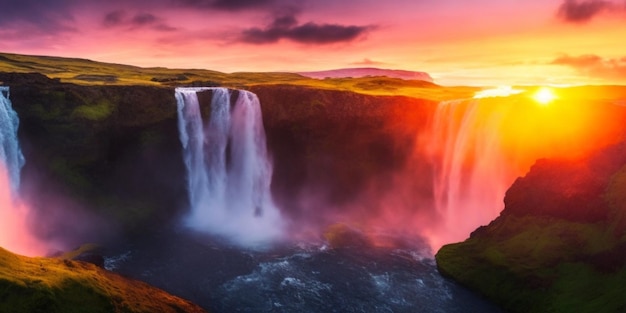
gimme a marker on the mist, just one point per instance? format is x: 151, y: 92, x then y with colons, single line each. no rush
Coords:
x: 444, y: 182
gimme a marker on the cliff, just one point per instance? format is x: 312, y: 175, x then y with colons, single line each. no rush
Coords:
x: 111, y: 149
x: 330, y: 147
x: 559, y: 244
x: 55, y: 285
x: 115, y: 149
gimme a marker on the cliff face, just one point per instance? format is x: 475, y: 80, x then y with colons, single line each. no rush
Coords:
x: 112, y: 150
x: 331, y: 147
x: 55, y: 285
x: 558, y: 246
x: 115, y: 149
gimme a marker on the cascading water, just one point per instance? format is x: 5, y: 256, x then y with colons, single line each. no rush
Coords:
x: 14, y: 229
x: 480, y: 146
x: 228, y: 169
x: 10, y: 153
x: 472, y: 172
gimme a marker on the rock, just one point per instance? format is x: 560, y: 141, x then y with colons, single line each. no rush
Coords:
x: 341, y: 236
x: 560, y: 230
x: 55, y: 285
x: 115, y: 149
x: 93, y: 258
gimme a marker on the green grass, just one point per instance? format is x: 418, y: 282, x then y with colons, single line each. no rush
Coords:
x: 581, y: 289
x: 57, y: 285
x: 87, y: 72
x: 100, y: 111
x: 536, y: 268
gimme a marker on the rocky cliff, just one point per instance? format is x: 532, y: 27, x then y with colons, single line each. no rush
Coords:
x: 559, y: 244
x: 115, y: 149
x: 330, y: 147
x: 112, y: 153
x: 56, y: 285
x: 111, y: 150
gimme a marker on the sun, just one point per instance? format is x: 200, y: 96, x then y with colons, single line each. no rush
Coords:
x: 544, y: 96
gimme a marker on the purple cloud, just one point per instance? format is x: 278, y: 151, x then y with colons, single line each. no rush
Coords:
x: 228, y: 5
x: 37, y: 17
x: 287, y: 27
x: 139, y: 20
x: 574, y: 11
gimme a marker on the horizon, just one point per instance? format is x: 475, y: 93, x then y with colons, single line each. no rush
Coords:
x: 488, y: 42
x: 484, y: 87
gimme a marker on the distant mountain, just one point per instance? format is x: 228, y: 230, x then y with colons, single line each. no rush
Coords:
x: 368, y: 71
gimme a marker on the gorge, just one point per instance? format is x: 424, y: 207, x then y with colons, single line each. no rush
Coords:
x: 360, y: 184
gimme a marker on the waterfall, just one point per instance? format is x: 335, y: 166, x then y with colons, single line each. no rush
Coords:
x: 15, y: 228
x: 10, y: 153
x: 228, y: 168
x: 473, y: 164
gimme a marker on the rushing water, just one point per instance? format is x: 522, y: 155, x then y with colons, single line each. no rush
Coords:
x: 297, y: 278
x: 471, y: 169
x: 228, y: 179
x: 10, y: 154
x: 228, y: 169
x: 15, y: 228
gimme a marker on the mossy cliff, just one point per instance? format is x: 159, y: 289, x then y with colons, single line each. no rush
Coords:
x: 330, y: 147
x: 54, y: 285
x: 114, y: 149
x: 560, y: 243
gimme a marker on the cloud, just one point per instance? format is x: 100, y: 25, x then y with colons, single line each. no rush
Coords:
x: 33, y: 17
x: 142, y: 19
x: 595, y: 66
x: 228, y: 5
x: 367, y: 61
x: 114, y: 18
x: 119, y: 18
x: 574, y: 11
x: 287, y: 27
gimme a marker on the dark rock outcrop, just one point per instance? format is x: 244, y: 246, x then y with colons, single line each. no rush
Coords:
x: 113, y: 149
x: 558, y: 246
x: 329, y: 147
x: 55, y: 285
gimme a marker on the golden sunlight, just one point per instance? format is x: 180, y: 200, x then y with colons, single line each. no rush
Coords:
x: 544, y: 96
x: 502, y: 91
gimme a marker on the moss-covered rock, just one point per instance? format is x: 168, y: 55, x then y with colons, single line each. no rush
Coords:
x: 113, y: 148
x: 56, y: 285
x: 116, y: 148
x: 331, y: 146
x: 558, y: 246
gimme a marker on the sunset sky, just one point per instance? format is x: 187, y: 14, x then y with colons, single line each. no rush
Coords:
x: 478, y: 42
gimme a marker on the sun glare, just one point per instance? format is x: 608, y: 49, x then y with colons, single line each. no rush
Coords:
x: 502, y: 91
x: 544, y: 96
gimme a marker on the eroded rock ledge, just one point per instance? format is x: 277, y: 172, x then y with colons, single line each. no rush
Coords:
x: 558, y: 246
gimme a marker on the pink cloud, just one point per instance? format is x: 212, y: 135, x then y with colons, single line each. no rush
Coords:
x: 595, y: 66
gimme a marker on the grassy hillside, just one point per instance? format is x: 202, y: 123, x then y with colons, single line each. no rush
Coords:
x: 558, y: 246
x: 55, y: 285
x: 87, y: 72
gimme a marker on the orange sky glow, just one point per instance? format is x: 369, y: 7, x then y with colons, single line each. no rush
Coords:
x: 482, y: 42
